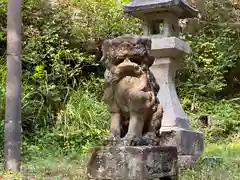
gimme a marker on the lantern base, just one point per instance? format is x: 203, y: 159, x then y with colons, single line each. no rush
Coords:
x: 190, y: 144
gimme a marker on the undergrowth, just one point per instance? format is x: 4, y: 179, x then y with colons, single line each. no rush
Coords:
x: 223, y: 117
x: 62, y: 110
x: 83, y: 122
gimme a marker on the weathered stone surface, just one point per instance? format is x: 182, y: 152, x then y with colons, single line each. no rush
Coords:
x: 181, y: 8
x: 130, y: 91
x: 159, y: 25
x: 169, y: 47
x: 164, y: 70
x: 169, y: 53
x: 188, y: 142
x: 133, y: 163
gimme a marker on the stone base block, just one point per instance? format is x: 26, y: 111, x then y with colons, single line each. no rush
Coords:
x: 189, y: 143
x: 133, y: 163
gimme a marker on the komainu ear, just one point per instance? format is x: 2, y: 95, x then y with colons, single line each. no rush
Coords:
x: 105, y: 49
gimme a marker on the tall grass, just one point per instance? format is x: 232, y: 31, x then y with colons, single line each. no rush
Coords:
x: 84, y: 121
x: 81, y: 124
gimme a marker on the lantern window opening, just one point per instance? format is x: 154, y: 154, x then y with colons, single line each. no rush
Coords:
x: 157, y: 27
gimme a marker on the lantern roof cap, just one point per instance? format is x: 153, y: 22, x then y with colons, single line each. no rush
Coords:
x: 139, y: 8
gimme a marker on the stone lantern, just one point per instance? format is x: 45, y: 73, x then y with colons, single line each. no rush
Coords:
x: 160, y: 19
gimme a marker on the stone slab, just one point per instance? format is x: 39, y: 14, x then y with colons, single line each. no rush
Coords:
x: 188, y: 142
x: 133, y: 163
x: 169, y: 47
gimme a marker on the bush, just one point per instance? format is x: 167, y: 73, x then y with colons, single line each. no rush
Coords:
x: 62, y: 78
x: 224, y: 119
x: 60, y: 51
x: 215, y: 52
x: 84, y: 122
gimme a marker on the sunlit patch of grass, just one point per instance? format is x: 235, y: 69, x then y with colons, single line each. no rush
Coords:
x: 228, y: 169
x: 10, y: 176
x: 57, y: 167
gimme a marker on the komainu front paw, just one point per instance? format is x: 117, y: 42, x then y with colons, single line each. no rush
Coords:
x: 151, y: 139
x: 111, y: 140
x: 128, y: 140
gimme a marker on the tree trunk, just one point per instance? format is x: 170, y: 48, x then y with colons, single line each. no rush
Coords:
x: 12, y: 125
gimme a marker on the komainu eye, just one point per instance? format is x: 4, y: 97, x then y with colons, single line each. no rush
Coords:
x: 118, y: 61
x: 136, y: 60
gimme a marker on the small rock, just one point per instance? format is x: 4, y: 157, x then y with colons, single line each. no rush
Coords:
x: 212, y: 159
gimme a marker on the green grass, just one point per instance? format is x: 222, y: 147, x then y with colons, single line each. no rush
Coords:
x: 74, y: 166
x: 228, y: 169
x: 51, y: 153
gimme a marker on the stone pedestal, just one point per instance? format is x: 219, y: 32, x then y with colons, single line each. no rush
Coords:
x: 168, y: 52
x: 189, y: 144
x: 133, y: 163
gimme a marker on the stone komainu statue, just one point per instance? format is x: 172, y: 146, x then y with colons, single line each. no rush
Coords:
x: 130, y: 90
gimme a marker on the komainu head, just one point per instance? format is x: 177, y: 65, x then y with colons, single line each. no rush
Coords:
x: 127, y: 55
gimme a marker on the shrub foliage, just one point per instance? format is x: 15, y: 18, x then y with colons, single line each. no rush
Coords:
x: 62, y: 78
